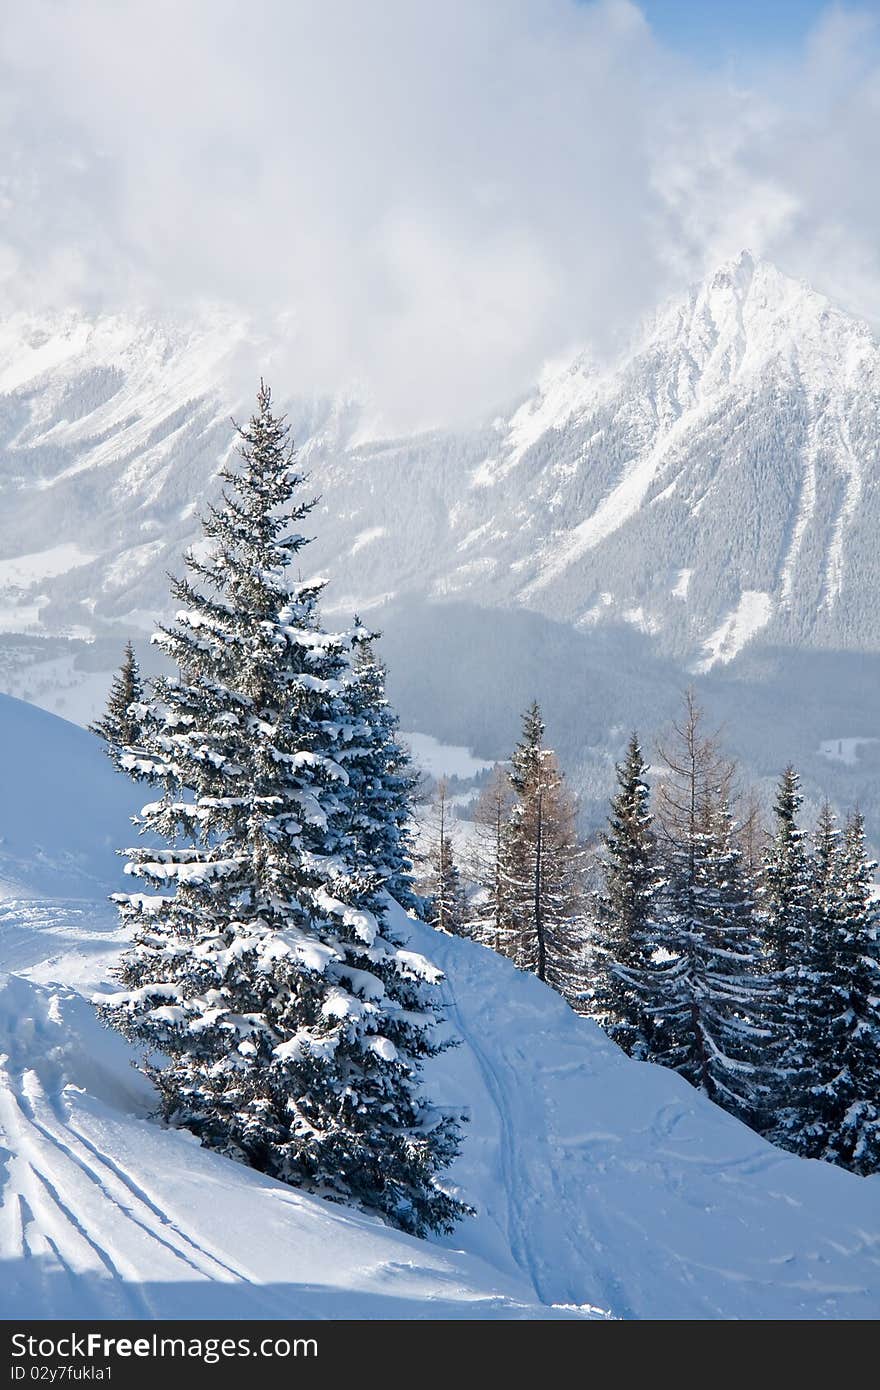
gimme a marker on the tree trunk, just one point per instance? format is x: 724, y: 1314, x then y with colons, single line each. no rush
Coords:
x: 539, y: 892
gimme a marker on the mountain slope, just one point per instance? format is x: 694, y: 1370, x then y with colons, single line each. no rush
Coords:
x: 717, y: 483
x: 599, y: 1182
x: 720, y: 483
x: 64, y: 810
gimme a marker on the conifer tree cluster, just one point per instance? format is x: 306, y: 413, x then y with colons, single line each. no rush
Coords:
x: 822, y: 933
x: 285, y: 1019
x: 757, y: 978
x: 629, y: 910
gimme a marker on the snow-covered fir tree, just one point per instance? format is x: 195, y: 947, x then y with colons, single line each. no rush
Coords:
x: 704, y: 1000
x: 628, y: 907
x: 119, y: 725
x: 702, y: 985
x: 785, y: 879
x: 729, y: 984
x: 854, y: 1119
x: 831, y: 1108
x: 812, y: 1046
x: 442, y: 887
x: 784, y: 907
x: 381, y: 777
x: 541, y: 865
x: 289, y: 1018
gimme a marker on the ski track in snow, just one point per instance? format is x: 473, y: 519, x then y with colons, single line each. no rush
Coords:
x: 529, y: 1203
x: 91, y: 1206
x: 526, y: 1211
x: 614, y: 1189
x: 516, y: 1231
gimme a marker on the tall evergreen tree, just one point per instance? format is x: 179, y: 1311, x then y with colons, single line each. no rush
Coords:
x: 446, y: 905
x: 541, y: 865
x: 265, y: 967
x: 381, y: 777
x: 813, y: 1048
x: 528, y: 756
x: 784, y: 922
x: 628, y: 908
x: 854, y: 1139
x: 728, y: 983
x: 490, y: 916
x: 119, y: 726
x: 785, y: 895
x: 702, y: 983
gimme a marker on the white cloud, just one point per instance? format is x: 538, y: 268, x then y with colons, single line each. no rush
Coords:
x: 435, y: 198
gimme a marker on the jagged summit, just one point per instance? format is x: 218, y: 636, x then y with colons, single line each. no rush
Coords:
x: 744, y: 316
x: 711, y: 485
x: 748, y: 313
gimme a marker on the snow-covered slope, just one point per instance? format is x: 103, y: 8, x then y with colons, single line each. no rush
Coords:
x: 598, y: 1182
x: 717, y: 485
x: 106, y: 1214
x: 63, y: 809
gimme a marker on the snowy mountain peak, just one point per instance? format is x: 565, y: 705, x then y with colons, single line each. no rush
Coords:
x: 735, y: 441
x: 730, y: 285
x: 747, y: 316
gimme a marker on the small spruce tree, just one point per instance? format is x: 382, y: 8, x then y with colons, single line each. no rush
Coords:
x: 381, y: 777
x: 541, y: 865
x: 628, y: 907
x: 119, y: 726
x: 441, y: 887
x: 784, y: 907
